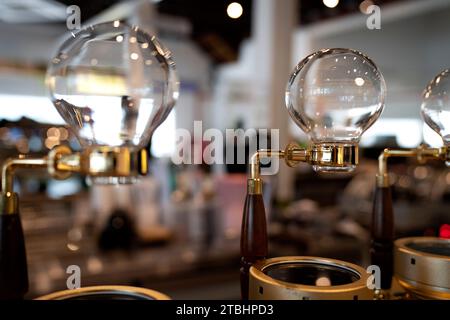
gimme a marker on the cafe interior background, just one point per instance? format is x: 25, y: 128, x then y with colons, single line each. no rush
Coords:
x: 177, y: 230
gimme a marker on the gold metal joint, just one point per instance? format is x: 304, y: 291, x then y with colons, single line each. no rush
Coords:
x: 254, y: 186
x: 8, y: 197
x: 61, y: 162
x: 331, y: 157
x: 421, y: 154
x: 294, y: 154
x: 105, y: 163
x: 143, y: 162
x: 8, y: 203
x: 112, y: 164
x: 424, y: 153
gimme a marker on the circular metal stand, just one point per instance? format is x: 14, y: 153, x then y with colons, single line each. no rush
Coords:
x: 422, y: 266
x: 308, y: 278
x: 106, y: 293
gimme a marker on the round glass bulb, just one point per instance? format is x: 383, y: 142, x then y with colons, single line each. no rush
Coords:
x: 334, y: 95
x: 114, y: 84
x: 435, y: 107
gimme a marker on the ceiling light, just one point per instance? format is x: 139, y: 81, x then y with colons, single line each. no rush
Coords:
x: 234, y: 10
x: 331, y: 3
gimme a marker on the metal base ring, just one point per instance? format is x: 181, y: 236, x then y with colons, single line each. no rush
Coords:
x: 308, y: 278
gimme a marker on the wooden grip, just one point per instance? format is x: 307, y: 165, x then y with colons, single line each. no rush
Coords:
x: 254, y: 244
x: 13, y: 260
x: 381, y: 250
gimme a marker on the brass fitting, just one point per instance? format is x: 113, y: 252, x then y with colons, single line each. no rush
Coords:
x: 61, y: 162
x: 254, y: 183
x: 421, y: 153
x: 334, y: 156
x: 325, y: 157
x: 8, y: 202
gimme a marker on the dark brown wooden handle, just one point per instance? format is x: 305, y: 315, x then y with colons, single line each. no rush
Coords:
x: 381, y: 250
x: 254, y: 244
x: 13, y: 259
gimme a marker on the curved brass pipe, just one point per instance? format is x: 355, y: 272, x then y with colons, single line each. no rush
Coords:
x: 293, y: 154
x: 254, y: 183
x: 61, y: 162
x: 421, y: 153
x: 9, y: 201
x: 254, y: 239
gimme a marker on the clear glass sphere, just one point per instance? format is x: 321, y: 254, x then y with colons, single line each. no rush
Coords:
x: 435, y: 107
x: 114, y: 84
x: 334, y: 95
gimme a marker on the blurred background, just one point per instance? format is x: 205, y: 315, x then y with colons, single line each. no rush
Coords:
x: 177, y: 231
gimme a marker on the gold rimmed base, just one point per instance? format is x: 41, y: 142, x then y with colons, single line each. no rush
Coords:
x: 265, y: 286
x: 106, y: 293
x: 422, y: 266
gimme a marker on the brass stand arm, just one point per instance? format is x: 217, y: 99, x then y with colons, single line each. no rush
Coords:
x: 8, y: 168
x: 254, y: 243
x: 254, y: 240
x: 382, y: 241
x: 100, y: 162
x: 55, y: 163
x: 13, y: 260
x: 254, y: 185
x: 421, y: 153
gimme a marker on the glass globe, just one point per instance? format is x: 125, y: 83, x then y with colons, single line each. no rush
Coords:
x: 435, y: 107
x: 114, y: 84
x: 334, y: 95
